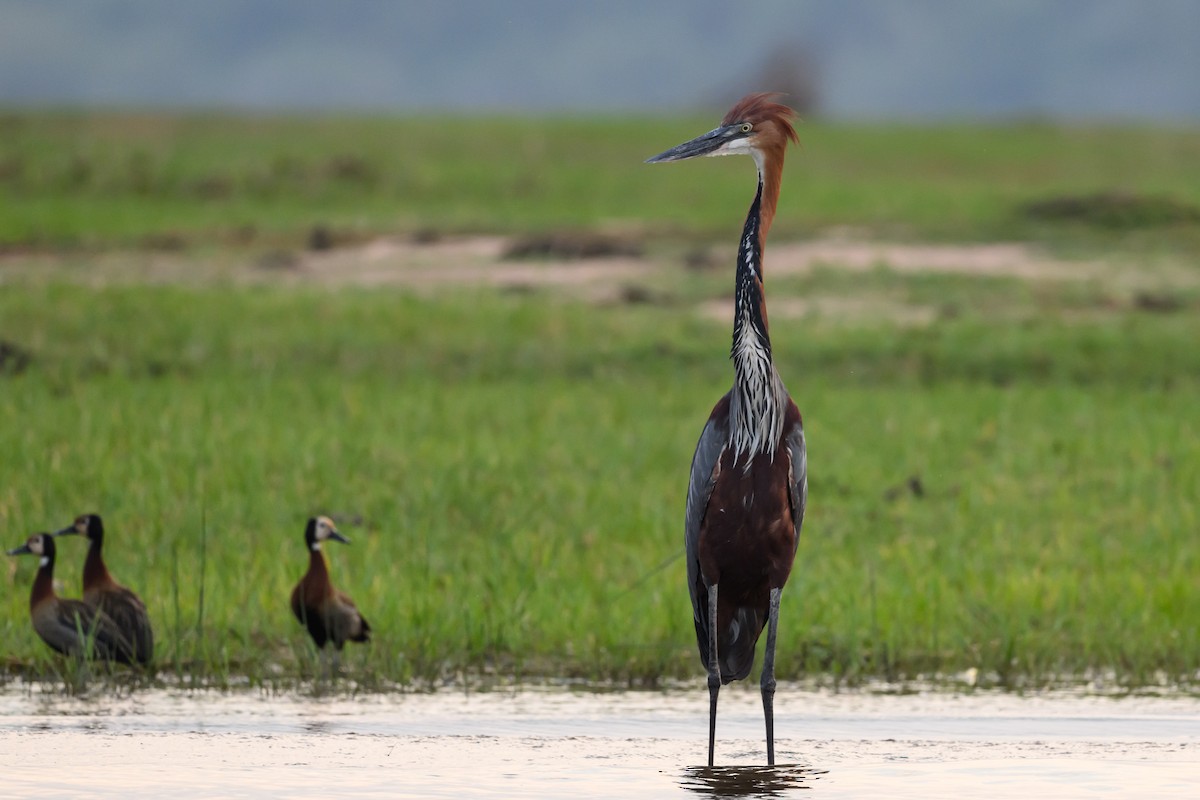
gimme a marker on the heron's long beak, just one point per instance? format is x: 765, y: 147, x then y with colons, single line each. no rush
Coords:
x: 20, y: 551
x: 705, y: 145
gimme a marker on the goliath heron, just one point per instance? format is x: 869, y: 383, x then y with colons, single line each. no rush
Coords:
x: 748, y: 485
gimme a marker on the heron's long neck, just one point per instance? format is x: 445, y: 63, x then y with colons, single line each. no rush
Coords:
x: 758, y: 397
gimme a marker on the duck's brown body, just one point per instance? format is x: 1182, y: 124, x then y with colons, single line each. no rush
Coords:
x: 329, y: 615
x: 103, y: 592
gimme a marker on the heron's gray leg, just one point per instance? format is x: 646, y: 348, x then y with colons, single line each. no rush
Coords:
x: 714, y: 671
x: 768, y: 675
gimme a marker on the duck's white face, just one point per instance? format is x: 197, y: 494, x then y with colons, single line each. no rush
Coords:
x: 37, y: 546
x: 325, y: 528
x: 40, y: 544
x: 323, y: 531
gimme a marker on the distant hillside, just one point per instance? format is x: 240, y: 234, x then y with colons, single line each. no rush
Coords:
x: 860, y: 58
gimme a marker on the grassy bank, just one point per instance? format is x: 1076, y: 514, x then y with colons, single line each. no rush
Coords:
x: 184, y: 181
x: 1009, y: 488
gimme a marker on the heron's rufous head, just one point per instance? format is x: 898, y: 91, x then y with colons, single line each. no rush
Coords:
x: 756, y: 126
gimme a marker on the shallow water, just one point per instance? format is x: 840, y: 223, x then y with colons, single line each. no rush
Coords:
x: 551, y: 743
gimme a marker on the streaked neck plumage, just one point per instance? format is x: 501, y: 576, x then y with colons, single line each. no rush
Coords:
x: 758, y: 399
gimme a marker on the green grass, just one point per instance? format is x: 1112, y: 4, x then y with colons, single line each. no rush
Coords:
x: 1011, y: 488
x: 116, y: 180
x: 1008, y: 486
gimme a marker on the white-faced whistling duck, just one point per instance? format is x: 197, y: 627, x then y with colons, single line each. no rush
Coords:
x: 329, y: 615
x: 101, y: 591
x: 748, y: 483
x: 68, y: 625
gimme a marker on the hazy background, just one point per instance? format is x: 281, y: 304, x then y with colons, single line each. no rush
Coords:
x: 1102, y: 59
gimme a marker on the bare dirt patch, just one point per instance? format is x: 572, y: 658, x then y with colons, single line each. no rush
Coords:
x: 488, y: 261
x: 473, y: 261
x: 1012, y: 260
x: 609, y: 278
x: 441, y: 263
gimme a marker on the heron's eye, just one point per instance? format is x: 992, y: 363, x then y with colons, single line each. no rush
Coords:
x: 746, y: 127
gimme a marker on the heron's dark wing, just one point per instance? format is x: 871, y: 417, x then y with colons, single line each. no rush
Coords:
x: 799, y: 473
x: 713, y: 441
